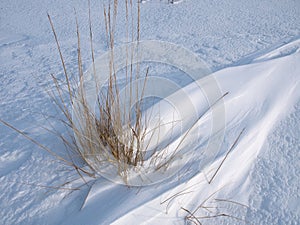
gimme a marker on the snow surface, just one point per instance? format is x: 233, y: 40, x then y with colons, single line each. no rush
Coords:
x: 253, y: 48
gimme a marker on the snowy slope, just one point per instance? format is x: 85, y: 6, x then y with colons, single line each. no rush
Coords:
x: 253, y: 47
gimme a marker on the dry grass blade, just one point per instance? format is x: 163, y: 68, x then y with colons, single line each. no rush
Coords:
x: 91, y: 43
x: 35, y: 142
x: 187, y: 133
x: 182, y: 192
x: 173, y: 197
x: 205, y: 200
x: 220, y: 215
x: 225, y: 157
x: 191, y: 217
x: 52, y: 187
x: 61, y: 58
x: 60, y: 187
x: 231, y: 201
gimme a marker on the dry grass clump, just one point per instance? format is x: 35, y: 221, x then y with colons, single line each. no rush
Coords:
x: 116, y: 135
x: 110, y: 134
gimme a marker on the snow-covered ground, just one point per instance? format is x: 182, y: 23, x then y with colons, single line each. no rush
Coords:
x: 253, y: 48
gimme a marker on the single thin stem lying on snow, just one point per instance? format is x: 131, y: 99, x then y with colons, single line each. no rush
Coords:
x: 225, y: 157
x: 164, y: 164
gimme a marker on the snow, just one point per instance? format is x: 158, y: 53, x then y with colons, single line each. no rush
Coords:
x: 253, y: 49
